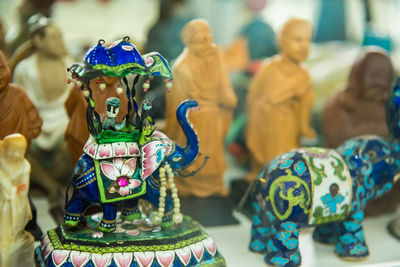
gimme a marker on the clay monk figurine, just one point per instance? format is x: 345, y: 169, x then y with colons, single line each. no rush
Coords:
x: 280, y: 98
x: 200, y: 74
x: 17, y: 113
x: 16, y: 245
x: 359, y: 108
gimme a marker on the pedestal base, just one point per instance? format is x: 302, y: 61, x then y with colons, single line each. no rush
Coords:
x: 135, y: 243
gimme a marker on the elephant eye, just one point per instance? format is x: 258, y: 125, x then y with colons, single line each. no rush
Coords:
x: 177, y: 158
x: 371, y: 154
x: 389, y: 160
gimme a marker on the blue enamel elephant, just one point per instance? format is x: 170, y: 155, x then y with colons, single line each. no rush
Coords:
x: 127, y: 173
x: 325, y: 188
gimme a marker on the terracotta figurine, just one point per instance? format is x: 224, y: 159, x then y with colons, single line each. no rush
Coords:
x: 17, y: 113
x: 359, y: 108
x: 280, y: 98
x: 16, y: 244
x: 200, y: 74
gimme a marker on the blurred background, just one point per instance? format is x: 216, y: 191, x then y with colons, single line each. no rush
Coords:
x: 341, y: 31
x: 340, y: 27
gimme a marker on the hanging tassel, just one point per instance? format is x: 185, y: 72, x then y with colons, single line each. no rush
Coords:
x: 177, y: 218
x: 146, y: 86
x: 168, y: 84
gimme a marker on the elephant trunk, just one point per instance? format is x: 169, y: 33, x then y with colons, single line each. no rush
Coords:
x: 183, y: 156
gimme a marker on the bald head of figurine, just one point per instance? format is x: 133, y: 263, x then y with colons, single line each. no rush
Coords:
x: 197, y: 37
x: 14, y: 147
x: 5, y: 74
x: 48, y: 41
x: 372, y: 75
x: 295, y: 40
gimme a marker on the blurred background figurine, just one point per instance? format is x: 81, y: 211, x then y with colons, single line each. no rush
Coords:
x: 280, y: 99
x: 17, y: 112
x: 16, y: 244
x: 164, y: 37
x: 20, y: 32
x: 43, y: 76
x: 200, y: 74
x: 360, y: 109
x: 259, y: 34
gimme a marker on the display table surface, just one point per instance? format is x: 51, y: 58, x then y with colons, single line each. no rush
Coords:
x: 232, y: 242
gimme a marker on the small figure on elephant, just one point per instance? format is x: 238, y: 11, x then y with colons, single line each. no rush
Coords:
x: 325, y: 188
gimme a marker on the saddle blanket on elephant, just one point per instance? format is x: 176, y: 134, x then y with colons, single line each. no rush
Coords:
x: 118, y: 175
x: 118, y: 179
x: 310, y: 184
x: 331, y: 185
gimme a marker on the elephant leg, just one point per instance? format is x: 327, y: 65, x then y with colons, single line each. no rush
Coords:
x: 108, y: 221
x: 152, y: 195
x: 74, y: 209
x: 283, y: 246
x: 260, y: 230
x: 351, y: 240
x: 326, y: 233
x: 130, y: 210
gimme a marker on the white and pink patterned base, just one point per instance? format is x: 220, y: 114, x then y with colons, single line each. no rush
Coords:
x: 191, y: 255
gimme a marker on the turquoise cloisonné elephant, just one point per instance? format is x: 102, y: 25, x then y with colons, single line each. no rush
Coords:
x: 120, y: 173
x: 325, y: 188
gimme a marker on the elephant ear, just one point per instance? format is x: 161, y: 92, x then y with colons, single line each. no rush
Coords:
x: 109, y: 170
x: 153, y: 154
x: 169, y: 145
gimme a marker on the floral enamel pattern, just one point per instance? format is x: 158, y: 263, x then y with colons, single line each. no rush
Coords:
x: 120, y: 171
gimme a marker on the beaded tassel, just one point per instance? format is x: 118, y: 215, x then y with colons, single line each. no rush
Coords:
x: 177, y: 217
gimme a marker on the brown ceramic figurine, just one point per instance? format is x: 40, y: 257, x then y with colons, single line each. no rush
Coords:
x: 200, y: 74
x: 17, y: 113
x: 16, y: 244
x: 280, y: 99
x: 77, y: 131
x: 359, y: 109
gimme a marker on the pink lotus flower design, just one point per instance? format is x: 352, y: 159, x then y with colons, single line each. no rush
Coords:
x: 121, y: 171
x: 98, y: 235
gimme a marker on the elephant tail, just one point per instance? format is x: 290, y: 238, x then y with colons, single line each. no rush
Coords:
x: 66, y: 193
x: 249, y: 191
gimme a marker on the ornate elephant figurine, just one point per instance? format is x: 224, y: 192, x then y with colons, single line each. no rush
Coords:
x: 324, y: 188
x: 113, y: 174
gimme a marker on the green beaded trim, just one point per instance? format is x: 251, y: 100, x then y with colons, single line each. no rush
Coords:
x: 121, y: 70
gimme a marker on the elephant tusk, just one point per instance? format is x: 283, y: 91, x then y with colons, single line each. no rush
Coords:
x: 195, y: 171
x: 396, y: 177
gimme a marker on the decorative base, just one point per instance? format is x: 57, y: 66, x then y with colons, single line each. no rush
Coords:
x: 132, y: 244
